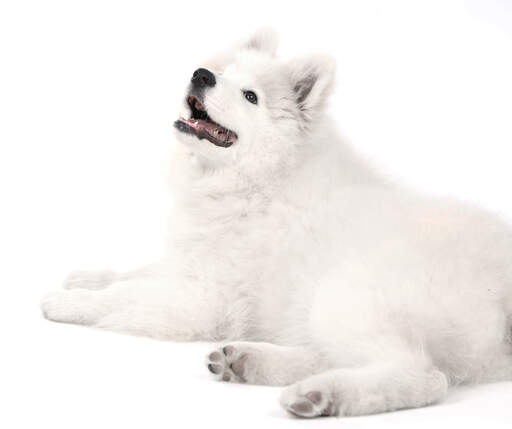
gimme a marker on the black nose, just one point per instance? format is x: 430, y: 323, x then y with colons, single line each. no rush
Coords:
x: 202, y: 78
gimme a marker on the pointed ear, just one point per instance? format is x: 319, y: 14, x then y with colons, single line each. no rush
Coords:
x: 264, y: 39
x: 312, y: 79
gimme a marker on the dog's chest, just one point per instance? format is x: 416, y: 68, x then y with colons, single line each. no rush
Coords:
x: 229, y: 243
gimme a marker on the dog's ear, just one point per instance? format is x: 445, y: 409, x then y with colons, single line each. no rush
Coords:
x: 264, y: 39
x: 312, y: 79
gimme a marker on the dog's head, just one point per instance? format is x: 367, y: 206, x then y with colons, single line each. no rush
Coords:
x: 245, y: 106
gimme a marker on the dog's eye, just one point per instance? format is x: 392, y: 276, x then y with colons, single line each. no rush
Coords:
x: 251, y: 97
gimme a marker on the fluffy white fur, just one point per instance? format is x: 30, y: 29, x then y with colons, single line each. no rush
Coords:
x: 359, y: 294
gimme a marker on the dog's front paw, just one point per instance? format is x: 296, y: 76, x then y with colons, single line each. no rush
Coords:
x: 228, y: 364
x: 74, y: 306
x: 93, y: 280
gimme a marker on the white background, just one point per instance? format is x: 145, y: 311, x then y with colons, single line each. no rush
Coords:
x: 88, y: 93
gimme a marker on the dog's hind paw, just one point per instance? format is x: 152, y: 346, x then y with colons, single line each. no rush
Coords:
x: 314, y: 403
x: 228, y: 364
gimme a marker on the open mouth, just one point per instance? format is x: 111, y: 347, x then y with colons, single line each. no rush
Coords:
x: 203, y: 127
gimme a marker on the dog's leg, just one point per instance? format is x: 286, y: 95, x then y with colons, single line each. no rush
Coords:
x: 366, y: 390
x: 93, y: 280
x: 264, y: 363
x: 142, y: 306
x: 100, y: 279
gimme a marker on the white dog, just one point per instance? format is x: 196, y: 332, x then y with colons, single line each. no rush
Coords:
x: 357, y: 294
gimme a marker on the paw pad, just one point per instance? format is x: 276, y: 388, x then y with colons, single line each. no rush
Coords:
x: 311, y: 404
x: 228, y: 364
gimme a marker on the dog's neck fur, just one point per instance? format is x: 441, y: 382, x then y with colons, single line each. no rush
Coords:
x: 198, y: 183
x: 236, y: 190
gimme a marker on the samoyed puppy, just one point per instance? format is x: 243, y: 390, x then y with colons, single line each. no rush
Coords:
x: 358, y: 294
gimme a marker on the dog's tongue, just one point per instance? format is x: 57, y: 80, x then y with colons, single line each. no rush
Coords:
x: 203, y: 129
x: 201, y: 125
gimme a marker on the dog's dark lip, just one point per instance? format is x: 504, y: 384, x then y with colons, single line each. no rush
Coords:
x: 203, y: 127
